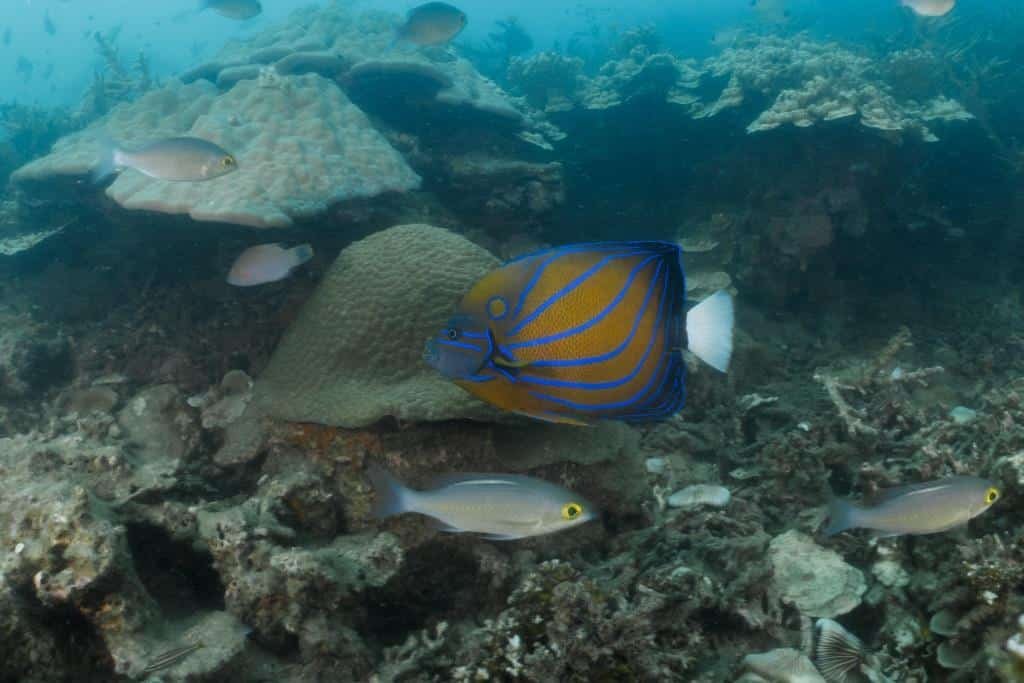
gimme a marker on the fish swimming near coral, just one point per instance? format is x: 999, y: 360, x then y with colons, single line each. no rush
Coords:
x: 500, y: 507
x: 178, y: 159
x: 233, y: 9
x: 926, y: 508
x: 929, y: 8
x: 433, y: 23
x: 583, y: 333
x: 267, y: 263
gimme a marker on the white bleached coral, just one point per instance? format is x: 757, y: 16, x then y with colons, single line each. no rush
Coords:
x: 301, y: 147
x: 815, y: 82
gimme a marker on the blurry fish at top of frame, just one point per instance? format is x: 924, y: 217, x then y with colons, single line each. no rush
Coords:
x: 583, y: 333
x: 7, y: 36
x: 48, y: 24
x: 771, y: 11
x: 433, y: 23
x: 178, y: 159
x: 265, y: 263
x: 500, y: 507
x: 233, y: 9
x: 926, y: 508
x: 930, y: 8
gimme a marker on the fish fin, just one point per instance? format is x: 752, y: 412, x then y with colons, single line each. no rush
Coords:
x: 202, y: 5
x: 553, y: 418
x: 506, y: 363
x: 500, y: 537
x: 842, y: 515
x: 300, y: 254
x: 709, y: 330
x: 109, y: 160
x: 392, y: 497
x: 892, y: 492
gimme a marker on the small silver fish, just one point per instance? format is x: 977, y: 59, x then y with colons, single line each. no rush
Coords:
x: 930, y: 8
x: 433, y: 23
x: 267, y: 263
x: 179, y: 159
x: 501, y: 507
x: 926, y: 508
x: 167, y: 659
x: 233, y: 9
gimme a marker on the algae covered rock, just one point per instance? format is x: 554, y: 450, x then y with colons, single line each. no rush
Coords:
x: 354, y: 354
x: 814, y: 580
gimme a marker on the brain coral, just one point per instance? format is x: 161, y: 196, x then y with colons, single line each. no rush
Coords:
x: 301, y: 146
x: 354, y: 355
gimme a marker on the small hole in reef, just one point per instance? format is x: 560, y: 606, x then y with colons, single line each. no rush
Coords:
x: 181, y: 579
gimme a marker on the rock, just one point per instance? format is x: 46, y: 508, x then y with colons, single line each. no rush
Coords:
x: 161, y: 433
x: 33, y: 359
x: 354, y: 354
x: 814, y: 580
x: 699, y: 495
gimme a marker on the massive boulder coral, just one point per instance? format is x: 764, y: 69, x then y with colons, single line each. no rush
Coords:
x: 301, y: 147
x: 354, y: 355
x: 359, y: 50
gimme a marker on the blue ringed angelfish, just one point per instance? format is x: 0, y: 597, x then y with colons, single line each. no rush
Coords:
x: 582, y: 333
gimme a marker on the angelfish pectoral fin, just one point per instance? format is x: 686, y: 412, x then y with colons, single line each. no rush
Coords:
x: 508, y: 363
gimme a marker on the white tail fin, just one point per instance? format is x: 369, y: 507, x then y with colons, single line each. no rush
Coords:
x: 301, y: 254
x: 392, y: 498
x: 709, y: 330
x: 108, y: 162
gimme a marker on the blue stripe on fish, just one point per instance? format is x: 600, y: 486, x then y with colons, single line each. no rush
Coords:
x: 591, y: 360
x: 556, y: 254
x: 609, y: 384
x: 635, y: 398
x: 597, y: 318
x: 573, y: 284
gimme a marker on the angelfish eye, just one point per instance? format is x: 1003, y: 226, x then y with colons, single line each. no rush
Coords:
x: 991, y: 495
x: 452, y: 333
x: 571, y: 511
x: 227, y: 162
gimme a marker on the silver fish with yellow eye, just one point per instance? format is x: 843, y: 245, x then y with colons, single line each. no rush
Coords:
x: 501, y: 507
x: 183, y: 159
x: 926, y: 508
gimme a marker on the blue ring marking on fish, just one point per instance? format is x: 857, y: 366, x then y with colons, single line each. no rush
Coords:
x: 635, y: 398
x: 608, y: 355
x: 669, y: 406
x: 477, y: 378
x: 558, y: 252
x: 608, y: 384
x: 597, y: 318
x: 500, y: 301
x: 459, y: 345
x: 576, y: 282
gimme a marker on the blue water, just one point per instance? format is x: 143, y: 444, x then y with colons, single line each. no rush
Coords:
x: 174, y: 36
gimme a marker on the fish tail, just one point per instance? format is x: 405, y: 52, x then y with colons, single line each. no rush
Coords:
x: 301, y: 254
x: 110, y: 159
x: 392, y: 497
x: 709, y: 330
x: 842, y: 515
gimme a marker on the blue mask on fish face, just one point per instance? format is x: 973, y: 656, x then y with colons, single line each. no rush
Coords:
x: 460, y: 350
